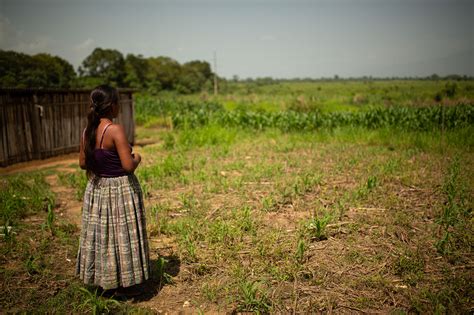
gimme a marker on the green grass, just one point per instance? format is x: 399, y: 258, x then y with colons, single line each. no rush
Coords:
x: 77, y: 179
x: 455, y: 218
x: 22, y: 195
x: 330, y: 95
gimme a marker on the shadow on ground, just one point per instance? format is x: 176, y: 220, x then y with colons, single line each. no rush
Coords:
x: 153, y: 286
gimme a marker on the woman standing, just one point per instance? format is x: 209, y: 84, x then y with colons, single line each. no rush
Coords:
x: 113, y: 249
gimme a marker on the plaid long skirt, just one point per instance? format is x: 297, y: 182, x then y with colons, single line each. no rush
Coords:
x: 113, y: 246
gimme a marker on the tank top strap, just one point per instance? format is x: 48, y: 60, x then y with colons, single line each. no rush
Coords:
x: 103, y: 133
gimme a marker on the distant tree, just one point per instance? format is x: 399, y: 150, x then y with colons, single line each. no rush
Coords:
x: 163, y: 72
x: 455, y: 77
x: 58, y: 72
x: 264, y: 81
x: 105, y: 64
x: 41, y: 70
x: 191, y: 78
x: 202, y: 67
x: 136, y: 71
x: 12, y: 66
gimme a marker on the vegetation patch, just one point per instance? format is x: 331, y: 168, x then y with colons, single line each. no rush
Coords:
x: 271, y: 215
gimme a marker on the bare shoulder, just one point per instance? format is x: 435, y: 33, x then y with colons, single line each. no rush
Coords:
x: 117, y: 130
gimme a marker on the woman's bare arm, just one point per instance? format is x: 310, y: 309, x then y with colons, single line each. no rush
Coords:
x: 129, y: 162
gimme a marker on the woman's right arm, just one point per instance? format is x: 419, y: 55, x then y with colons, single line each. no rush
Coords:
x: 129, y: 162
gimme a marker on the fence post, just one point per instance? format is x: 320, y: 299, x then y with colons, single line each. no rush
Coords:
x: 35, y: 127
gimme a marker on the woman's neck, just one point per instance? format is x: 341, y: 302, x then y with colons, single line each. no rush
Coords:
x: 106, y: 118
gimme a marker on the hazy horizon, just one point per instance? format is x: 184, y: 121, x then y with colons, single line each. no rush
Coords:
x: 280, y: 39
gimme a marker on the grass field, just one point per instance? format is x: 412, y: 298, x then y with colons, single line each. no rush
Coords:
x: 333, y: 96
x: 335, y: 219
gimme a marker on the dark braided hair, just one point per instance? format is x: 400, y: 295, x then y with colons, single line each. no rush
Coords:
x: 102, y: 99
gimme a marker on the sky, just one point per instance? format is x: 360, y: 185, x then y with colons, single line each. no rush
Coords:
x: 276, y: 38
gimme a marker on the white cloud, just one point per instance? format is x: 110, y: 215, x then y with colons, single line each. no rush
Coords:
x: 85, y: 45
x: 38, y: 44
x: 268, y: 38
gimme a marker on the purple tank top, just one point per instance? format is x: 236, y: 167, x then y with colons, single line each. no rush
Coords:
x: 107, y: 162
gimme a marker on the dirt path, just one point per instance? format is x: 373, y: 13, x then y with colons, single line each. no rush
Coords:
x: 57, y: 161
x: 67, y: 205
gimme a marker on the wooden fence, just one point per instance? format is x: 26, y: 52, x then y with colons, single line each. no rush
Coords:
x: 40, y: 123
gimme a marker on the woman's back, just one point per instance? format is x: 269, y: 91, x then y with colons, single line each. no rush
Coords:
x: 106, y: 160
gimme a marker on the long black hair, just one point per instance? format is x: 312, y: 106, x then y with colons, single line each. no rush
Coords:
x: 102, y: 99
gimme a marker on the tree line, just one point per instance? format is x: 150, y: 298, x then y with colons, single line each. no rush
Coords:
x: 19, y: 70
x: 153, y: 74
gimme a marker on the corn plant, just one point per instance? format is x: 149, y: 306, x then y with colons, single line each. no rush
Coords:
x: 406, y: 118
x: 252, y: 298
x: 96, y: 304
x: 371, y: 182
x: 7, y: 232
x: 49, y: 223
x: 31, y: 265
x: 189, y: 201
x: 317, y: 227
x: 367, y: 187
x: 189, y: 246
x: 162, y: 275
x: 269, y: 204
x: 300, y: 250
x: 221, y: 231
x: 244, y: 219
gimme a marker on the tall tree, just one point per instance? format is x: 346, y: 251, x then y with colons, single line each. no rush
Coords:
x: 41, y: 70
x: 136, y: 68
x: 202, y: 67
x: 11, y: 68
x: 193, y: 77
x: 105, y: 64
x: 58, y: 71
x: 164, y: 71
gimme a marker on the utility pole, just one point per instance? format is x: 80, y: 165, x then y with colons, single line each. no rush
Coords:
x: 215, y: 73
